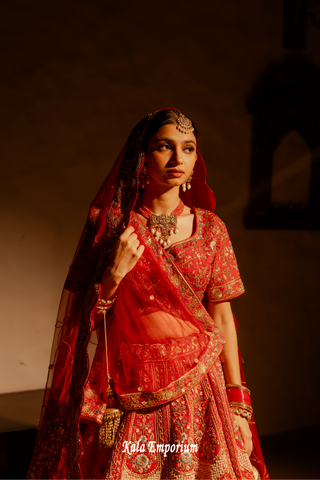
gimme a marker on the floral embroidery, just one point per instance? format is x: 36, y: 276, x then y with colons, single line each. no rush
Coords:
x: 199, y: 418
x: 207, y: 259
x: 142, y: 460
x: 192, y: 410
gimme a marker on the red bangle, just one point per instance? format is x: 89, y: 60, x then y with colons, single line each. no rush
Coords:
x: 238, y: 394
x: 239, y: 387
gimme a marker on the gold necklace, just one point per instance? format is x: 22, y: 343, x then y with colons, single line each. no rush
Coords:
x: 162, y: 226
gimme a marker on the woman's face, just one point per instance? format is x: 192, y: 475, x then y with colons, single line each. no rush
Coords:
x: 170, y: 156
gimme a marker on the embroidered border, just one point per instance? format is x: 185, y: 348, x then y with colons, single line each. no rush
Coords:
x: 140, y: 400
x: 225, y: 292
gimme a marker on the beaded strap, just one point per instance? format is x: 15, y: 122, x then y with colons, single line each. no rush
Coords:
x: 112, y: 416
x: 103, y: 306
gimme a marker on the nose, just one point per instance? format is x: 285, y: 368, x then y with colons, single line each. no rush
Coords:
x: 177, y: 161
x: 175, y: 158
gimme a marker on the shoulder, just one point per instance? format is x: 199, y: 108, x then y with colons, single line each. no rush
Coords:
x: 211, y: 220
x: 214, y: 229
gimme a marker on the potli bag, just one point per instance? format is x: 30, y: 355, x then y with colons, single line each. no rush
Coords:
x: 112, y: 416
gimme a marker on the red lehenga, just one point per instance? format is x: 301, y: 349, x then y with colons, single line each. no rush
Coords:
x: 163, y: 350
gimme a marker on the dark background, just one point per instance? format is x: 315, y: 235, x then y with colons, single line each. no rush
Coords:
x: 75, y: 77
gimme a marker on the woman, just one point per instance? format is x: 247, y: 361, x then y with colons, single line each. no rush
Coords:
x: 152, y: 256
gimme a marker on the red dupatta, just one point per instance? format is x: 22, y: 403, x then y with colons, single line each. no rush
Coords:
x: 154, y: 294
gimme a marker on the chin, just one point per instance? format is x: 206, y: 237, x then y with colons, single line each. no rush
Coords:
x: 175, y: 182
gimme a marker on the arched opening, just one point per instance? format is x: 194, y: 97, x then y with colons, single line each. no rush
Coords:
x: 285, y: 177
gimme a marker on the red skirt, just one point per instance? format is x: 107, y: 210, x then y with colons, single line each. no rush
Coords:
x: 192, y: 437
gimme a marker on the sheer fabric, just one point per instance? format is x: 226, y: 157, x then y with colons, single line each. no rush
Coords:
x: 156, y: 313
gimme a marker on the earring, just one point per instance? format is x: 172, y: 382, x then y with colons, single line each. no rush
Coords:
x: 144, y: 177
x: 187, y: 185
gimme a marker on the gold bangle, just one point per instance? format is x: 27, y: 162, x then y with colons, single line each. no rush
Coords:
x: 104, y: 305
x: 242, y: 409
x: 240, y: 387
x: 242, y: 405
x: 242, y: 413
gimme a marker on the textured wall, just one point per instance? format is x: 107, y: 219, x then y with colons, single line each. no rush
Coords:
x: 75, y: 78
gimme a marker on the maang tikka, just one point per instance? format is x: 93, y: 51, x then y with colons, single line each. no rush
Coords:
x: 187, y: 185
x: 184, y: 124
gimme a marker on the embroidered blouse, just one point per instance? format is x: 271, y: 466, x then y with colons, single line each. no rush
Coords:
x: 207, y: 259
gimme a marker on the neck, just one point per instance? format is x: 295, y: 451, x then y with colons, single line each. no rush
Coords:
x: 158, y: 203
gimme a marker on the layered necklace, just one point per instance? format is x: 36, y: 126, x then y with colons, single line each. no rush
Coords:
x: 161, y: 226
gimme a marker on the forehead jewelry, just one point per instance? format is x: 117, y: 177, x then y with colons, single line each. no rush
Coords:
x: 184, y: 124
x: 162, y: 226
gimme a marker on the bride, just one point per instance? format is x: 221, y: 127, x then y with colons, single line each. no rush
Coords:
x: 154, y: 273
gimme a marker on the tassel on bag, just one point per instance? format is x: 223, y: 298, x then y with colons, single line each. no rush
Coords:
x: 109, y: 428
x: 112, y: 416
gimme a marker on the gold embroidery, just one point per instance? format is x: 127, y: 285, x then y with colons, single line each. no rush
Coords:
x: 141, y: 400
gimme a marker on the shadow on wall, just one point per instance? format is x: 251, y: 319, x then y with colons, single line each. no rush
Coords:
x: 285, y: 100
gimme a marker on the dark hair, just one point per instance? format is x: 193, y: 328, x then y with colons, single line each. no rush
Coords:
x: 161, y: 118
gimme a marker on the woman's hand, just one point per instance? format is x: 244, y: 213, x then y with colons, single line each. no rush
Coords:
x: 223, y: 318
x: 125, y: 256
x: 245, y: 433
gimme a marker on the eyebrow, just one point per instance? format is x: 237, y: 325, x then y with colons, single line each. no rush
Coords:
x: 171, y: 140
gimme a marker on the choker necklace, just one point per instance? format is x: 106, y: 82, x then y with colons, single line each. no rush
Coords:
x: 162, y: 226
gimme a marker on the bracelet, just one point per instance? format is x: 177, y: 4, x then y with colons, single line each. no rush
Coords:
x: 242, y: 413
x: 238, y: 394
x: 104, y: 305
x: 242, y: 409
x: 240, y: 387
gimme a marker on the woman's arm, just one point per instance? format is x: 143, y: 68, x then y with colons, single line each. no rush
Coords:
x: 125, y: 256
x: 222, y: 316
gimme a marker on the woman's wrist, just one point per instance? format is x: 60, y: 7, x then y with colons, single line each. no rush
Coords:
x: 239, y: 400
x: 109, y: 285
x: 103, y: 304
x: 111, y: 278
x: 107, y: 294
x: 243, y: 410
x: 236, y: 386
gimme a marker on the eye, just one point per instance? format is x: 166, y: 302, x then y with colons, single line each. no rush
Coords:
x: 189, y: 149
x: 164, y: 146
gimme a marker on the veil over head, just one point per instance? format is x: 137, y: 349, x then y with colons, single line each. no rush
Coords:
x: 154, y: 306
x: 108, y: 213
